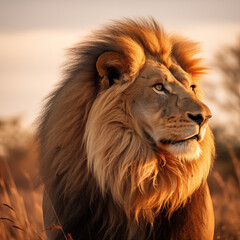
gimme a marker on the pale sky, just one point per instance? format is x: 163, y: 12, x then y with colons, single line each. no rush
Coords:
x: 35, y: 34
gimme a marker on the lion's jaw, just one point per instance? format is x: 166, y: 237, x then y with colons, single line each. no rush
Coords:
x: 189, y: 148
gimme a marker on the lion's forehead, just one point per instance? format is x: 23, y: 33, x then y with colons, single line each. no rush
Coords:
x: 157, y: 72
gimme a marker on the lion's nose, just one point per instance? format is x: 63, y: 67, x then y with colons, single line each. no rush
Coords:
x: 196, y: 118
x: 199, y: 118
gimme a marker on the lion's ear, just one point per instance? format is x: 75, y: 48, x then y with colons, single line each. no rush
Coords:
x: 110, y: 66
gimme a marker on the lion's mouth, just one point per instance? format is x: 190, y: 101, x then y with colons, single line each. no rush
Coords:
x: 172, y: 142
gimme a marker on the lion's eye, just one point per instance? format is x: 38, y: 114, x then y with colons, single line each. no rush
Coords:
x: 158, y: 88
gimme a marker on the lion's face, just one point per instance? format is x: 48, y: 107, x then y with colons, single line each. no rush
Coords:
x: 168, y: 110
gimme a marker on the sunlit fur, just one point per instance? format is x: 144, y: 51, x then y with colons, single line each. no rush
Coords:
x: 93, y: 150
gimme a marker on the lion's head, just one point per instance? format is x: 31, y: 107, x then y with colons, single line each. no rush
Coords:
x: 127, y: 125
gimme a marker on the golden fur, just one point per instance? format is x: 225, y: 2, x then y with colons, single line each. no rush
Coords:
x: 97, y: 163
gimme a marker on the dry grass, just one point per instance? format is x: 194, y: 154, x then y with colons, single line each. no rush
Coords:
x: 20, y: 210
x: 226, y: 200
x: 20, y: 191
x: 20, y: 199
x: 226, y: 209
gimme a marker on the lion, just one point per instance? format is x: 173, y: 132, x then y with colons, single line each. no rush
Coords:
x: 125, y: 146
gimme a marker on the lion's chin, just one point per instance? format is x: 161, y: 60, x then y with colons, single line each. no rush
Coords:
x: 184, y: 151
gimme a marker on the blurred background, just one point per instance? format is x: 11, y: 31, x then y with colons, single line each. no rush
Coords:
x: 33, y: 38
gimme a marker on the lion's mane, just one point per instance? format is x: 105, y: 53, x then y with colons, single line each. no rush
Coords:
x: 96, y: 164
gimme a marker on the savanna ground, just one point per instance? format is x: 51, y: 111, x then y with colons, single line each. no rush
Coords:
x: 21, y: 190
